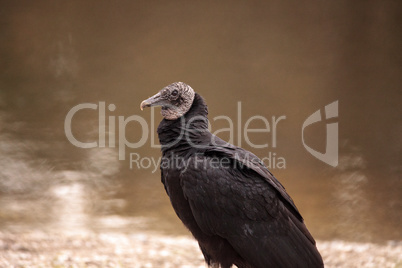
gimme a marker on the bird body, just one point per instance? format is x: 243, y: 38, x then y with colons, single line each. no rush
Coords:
x: 236, y: 209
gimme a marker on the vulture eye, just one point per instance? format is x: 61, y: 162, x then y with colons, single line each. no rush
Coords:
x: 174, y: 93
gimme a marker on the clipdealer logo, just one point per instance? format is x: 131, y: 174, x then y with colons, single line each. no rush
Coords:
x: 330, y: 156
x: 331, y: 151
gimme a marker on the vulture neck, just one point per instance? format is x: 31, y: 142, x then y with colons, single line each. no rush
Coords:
x: 180, y: 135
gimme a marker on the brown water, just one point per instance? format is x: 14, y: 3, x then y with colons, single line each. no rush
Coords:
x: 276, y: 58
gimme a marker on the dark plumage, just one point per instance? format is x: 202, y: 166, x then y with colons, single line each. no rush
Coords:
x: 236, y: 209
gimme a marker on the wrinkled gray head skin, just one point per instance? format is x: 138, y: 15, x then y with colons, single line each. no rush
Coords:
x: 175, y: 99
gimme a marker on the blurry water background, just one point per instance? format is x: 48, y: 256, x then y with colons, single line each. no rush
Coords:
x: 275, y: 57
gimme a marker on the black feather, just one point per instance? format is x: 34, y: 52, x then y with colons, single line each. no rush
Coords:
x: 236, y: 209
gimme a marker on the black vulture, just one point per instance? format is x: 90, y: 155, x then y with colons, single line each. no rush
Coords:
x: 232, y: 204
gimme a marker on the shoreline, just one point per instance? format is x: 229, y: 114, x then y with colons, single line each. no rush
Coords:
x: 58, y: 249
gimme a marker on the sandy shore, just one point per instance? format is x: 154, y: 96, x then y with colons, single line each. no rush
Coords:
x: 151, y: 250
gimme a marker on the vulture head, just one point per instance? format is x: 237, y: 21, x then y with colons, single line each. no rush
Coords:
x: 176, y: 99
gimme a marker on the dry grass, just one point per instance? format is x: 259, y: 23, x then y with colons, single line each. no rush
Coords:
x: 39, y: 249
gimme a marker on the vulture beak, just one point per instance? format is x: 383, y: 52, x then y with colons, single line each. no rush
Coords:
x: 155, y: 100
